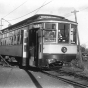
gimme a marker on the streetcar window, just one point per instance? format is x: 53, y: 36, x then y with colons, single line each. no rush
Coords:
x: 50, y: 26
x: 5, y: 35
x: 14, y: 39
x: 63, y: 33
x: 50, y: 32
x: 73, y: 33
x: 18, y: 39
x: 50, y: 36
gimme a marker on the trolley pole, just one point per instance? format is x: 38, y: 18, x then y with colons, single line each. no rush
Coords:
x: 80, y: 64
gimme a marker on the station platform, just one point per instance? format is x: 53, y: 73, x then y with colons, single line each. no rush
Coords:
x: 14, y: 77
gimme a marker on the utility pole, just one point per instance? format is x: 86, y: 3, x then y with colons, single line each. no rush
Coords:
x: 80, y: 64
x: 75, y: 14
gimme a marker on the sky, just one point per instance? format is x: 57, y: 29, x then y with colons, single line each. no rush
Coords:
x: 13, y: 11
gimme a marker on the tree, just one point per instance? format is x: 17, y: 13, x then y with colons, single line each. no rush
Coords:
x: 83, y: 47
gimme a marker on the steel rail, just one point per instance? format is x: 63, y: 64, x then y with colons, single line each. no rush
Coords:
x: 66, y: 80
x: 70, y: 73
x: 73, y: 74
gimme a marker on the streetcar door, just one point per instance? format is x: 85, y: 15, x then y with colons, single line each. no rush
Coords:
x: 36, y: 47
x: 39, y: 47
x: 33, y: 47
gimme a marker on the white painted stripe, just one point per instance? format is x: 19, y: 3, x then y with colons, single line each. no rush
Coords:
x: 53, y: 21
x: 40, y: 55
x: 25, y: 44
x: 24, y: 54
x: 57, y: 49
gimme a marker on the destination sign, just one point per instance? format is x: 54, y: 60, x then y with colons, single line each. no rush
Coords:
x: 45, y: 17
x: 37, y: 26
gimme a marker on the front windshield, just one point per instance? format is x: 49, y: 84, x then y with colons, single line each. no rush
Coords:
x: 63, y: 33
x: 50, y: 32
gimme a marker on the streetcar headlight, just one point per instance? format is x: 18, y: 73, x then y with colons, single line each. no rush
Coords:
x: 51, y: 60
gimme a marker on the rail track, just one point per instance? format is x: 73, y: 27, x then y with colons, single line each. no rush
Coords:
x: 72, y: 78
x: 76, y: 75
x: 80, y: 85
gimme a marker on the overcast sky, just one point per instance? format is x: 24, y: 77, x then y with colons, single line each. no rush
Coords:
x: 16, y: 10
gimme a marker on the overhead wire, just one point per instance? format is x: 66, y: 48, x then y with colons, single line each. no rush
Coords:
x: 31, y: 11
x: 40, y: 7
x: 69, y: 14
x: 66, y: 15
x: 84, y: 8
x: 15, y: 9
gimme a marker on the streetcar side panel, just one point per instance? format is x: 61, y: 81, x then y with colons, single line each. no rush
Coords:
x: 13, y: 50
x: 12, y: 44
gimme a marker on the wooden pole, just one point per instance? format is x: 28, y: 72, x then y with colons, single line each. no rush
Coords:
x: 80, y: 63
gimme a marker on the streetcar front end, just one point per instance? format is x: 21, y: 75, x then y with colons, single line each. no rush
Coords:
x: 59, y: 43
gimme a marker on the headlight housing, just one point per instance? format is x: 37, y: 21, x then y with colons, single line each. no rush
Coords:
x: 51, y: 60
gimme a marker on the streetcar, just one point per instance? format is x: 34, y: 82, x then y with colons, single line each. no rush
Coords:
x: 42, y: 40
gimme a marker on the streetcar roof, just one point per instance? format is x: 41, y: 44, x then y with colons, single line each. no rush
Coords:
x: 39, y: 17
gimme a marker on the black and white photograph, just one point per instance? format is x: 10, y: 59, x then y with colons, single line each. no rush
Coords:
x: 43, y: 44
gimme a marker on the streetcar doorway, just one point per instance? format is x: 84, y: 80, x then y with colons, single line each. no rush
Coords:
x: 34, y: 42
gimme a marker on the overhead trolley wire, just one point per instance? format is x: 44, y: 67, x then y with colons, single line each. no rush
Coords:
x: 84, y: 8
x: 15, y: 9
x: 69, y: 14
x: 40, y: 7
x: 32, y: 11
